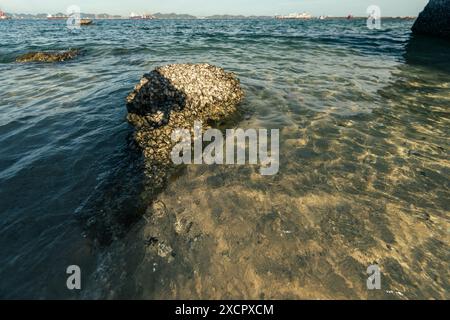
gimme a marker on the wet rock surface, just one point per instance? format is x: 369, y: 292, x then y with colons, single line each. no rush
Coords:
x: 168, y: 98
x: 174, y: 97
x: 434, y: 20
x: 48, y: 56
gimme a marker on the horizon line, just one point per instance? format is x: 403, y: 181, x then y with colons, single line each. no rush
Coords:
x: 200, y: 16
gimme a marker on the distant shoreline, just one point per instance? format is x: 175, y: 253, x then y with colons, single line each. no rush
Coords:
x: 216, y: 18
x: 176, y: 16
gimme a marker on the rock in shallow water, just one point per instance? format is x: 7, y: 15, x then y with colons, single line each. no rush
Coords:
x: 434, y: 20
x: 48, y: 56
x: 173, y: 97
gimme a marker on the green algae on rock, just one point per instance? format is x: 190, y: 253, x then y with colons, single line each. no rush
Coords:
x: 173, y: 97
x: 48, y: 56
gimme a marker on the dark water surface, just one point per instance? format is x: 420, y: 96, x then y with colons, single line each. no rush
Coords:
x: 364, y: 176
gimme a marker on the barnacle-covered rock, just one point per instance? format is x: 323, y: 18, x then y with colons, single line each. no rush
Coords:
x: 173, y: 97
x: 48, y: 56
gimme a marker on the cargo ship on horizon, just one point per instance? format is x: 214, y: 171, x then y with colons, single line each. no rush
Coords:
x: 144, y: 16
x: 57, y: 17
x: 301, y: 16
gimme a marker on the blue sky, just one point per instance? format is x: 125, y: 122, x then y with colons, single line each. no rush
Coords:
x: 208, y: 7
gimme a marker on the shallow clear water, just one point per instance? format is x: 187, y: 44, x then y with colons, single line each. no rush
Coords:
x: 364, y: 175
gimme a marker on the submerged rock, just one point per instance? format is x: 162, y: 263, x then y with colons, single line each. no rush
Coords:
x: 173, y: 97
x: 48, y: 56
x: 434, y: 20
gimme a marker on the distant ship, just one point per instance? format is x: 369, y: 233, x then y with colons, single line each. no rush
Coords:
x: 85, y: 22
x: 303, y: 16
x: 50, y: 17
x: 3, y: 16
x: 144, y: 16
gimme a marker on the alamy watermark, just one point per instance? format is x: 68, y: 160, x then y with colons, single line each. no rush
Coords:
x: 374, y: 19
x: 234, y: 143
x: 74, y: 20
x: 374, y: 280
x: 74, y: 280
